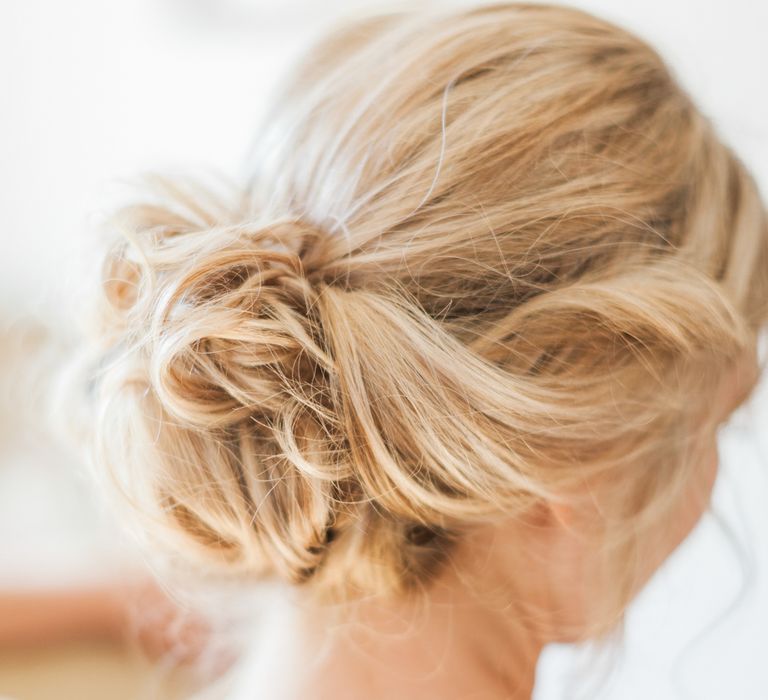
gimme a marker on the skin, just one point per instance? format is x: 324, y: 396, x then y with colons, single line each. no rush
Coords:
x: 531, y: 583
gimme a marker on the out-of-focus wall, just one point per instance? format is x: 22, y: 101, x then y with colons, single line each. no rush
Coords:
x: 94, y: 91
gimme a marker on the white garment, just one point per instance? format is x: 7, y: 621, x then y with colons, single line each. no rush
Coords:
x: 266, y: 670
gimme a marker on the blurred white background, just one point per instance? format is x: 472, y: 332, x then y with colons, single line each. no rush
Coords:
x: 97, y: 90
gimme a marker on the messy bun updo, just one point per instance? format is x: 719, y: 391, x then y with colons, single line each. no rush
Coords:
x: 485, y: 256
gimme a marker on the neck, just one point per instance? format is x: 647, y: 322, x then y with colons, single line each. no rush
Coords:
x: 464, y: 637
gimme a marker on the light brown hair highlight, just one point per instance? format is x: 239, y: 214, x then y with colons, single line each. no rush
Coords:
x: 486, y: 257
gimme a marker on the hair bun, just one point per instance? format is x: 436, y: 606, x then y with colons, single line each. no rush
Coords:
x: 253, y: 393
x: 225, y: 317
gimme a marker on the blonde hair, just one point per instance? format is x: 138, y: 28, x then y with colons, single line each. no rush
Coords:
x: 486, y: 256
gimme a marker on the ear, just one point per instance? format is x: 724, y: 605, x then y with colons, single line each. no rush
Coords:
x: 561, y: 514
x: 579, y: 515
x: 552, y: 514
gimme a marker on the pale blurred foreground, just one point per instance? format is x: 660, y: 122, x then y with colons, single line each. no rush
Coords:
x: 87, y: 672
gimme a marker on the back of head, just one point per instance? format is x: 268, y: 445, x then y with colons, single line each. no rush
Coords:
x: 485, y: 256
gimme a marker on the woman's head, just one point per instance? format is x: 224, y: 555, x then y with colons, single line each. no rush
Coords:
x: 488, y: 260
